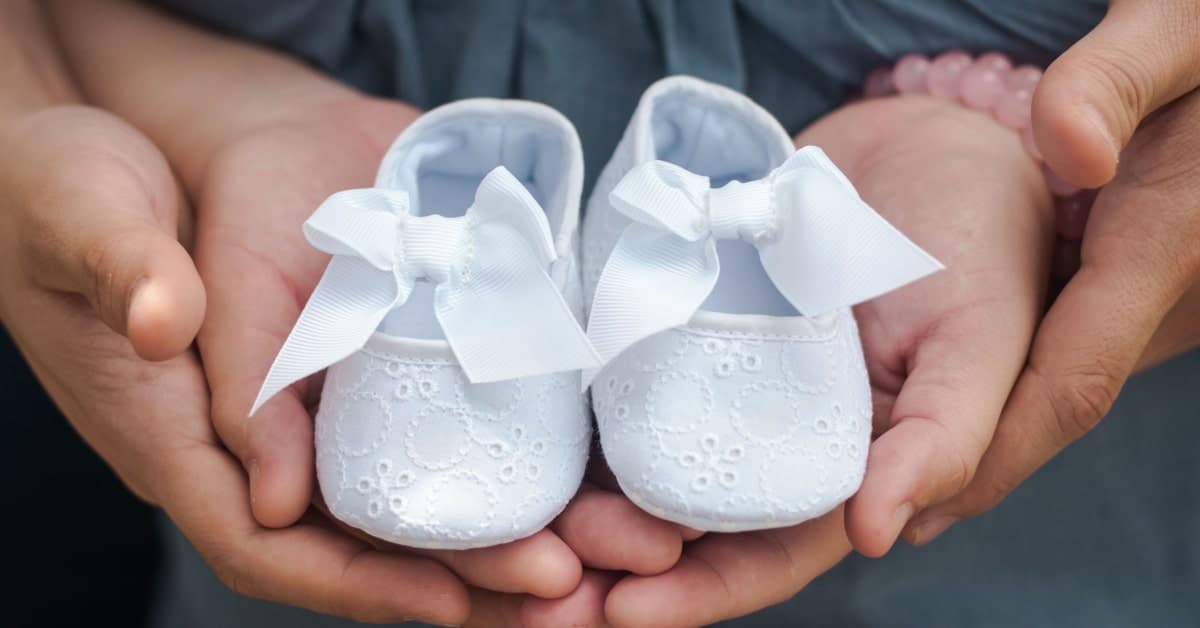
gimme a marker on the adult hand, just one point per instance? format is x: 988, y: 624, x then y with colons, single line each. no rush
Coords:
x: 88, y: 244
x: 1127, y: 91
x: 259, y: 148
x: 259, y: 272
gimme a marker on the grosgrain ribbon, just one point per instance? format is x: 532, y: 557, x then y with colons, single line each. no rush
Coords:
x: 500, y: 311
x: 820, y: 244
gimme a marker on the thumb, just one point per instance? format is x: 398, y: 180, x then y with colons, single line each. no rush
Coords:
x: 105, y: 229
x: 141, y: 282
x: 1138, y: 259
x: 1142, y: 56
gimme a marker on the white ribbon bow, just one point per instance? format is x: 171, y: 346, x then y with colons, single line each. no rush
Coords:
x: 500, y: 311
x: 821, y: 246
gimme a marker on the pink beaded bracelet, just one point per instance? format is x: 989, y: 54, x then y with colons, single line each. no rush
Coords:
x: 992, y: 85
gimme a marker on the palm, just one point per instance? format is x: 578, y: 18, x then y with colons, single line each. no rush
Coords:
x: 260, y: 271
x: 253, y: 199
x: 942, y: 353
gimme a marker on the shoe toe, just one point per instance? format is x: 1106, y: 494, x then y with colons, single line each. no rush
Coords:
x: 726, y: 431
x: 408, y: 451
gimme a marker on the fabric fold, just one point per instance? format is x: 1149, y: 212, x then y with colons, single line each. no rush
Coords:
x: 820, y: 244
x: 500, y: 311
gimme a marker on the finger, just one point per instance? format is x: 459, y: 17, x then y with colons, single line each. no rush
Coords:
x: 607, y: 531
x: 139, y: 280
x: 728, y: 575
x: 306, y: 565
x: 491, y: 609
x: 1084, y: 351
x: 582, y: 608
x: 261, y: 272
x: 599, y: 475
x: 109, y: 233
x: 1091, y: 100
x: 541, y: 565
x: 942, y: 419
x: 1138, y: 258
x: 238, y: 343
x: 1181, y: 323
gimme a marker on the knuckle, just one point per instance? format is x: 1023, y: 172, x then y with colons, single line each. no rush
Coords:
x: 232, y: 572
x: 232, y: 578
x: 989, y: 494
x: 958, y: 459
x: 1083, y: 398
x: 961, y: 471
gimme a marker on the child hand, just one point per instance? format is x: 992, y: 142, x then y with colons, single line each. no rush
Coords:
x: 942, y: 353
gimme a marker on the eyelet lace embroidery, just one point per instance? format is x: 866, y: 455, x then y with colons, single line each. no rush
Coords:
x: 409, y: 450
x: 688, y: 428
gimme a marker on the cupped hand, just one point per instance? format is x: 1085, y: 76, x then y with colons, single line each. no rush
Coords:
x: 942, y: 353
x: 259, y: 140
x: 1119, y: 109
x: 89, y: 223
x: 255, y: 194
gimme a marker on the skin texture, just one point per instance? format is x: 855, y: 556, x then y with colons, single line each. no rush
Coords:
x: 942, y: 353
x: 255, y: 166
x: 92, y: 188
x: 1119, y: 108
x: 257, y: 140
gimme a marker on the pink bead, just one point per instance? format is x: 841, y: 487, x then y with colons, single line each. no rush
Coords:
x: 1013, y: 108
x: 994, y: 61
x: 1071, y: 213
x: 981, y: 86
x: 1066, y: 258
x: 1024, y: 77
x: 910, y: 72
x: 879, y: 84
x: 1058, y: 185
x: 1030, y: 143
x: 945, y: 72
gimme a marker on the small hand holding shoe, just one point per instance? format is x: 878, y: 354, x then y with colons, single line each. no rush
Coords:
x: 942, y: 353
x: 260, y: 271
x: 258, y: 163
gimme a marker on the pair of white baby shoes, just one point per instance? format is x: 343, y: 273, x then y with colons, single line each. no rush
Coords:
x: 719, y: 264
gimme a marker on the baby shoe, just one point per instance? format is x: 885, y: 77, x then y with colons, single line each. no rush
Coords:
x: 448, y: 318
x: 720, y: 265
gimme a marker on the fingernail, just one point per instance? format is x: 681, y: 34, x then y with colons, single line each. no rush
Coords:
x: 926, y: 532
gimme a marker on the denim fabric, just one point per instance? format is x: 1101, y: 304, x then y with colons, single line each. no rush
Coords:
x: 1104, y: 535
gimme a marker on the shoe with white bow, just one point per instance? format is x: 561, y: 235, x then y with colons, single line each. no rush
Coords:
x: 448, y: 319
x: 720, y: 265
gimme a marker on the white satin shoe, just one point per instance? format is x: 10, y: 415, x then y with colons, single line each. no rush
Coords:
x: 448, y: 318
x: 720, y: 265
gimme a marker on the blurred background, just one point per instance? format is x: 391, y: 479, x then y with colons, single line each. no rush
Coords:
x: 85, y: 551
